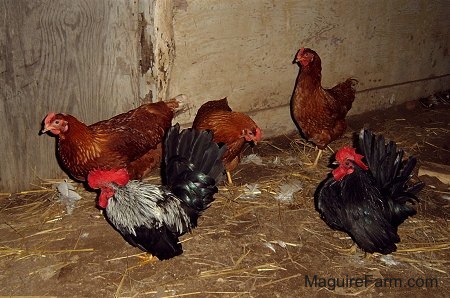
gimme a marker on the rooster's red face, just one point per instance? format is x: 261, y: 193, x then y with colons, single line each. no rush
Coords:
x: 347, y: 157
x: 105, y: 194
x: 55, y: 123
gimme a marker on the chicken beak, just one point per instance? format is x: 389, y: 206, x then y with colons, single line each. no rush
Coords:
x: 335, y: 163
x: 44, y: 130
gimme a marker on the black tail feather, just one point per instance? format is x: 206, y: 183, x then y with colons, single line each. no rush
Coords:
x: 401, y: 211
x: 415, y: 188
x: 392, y: 175
x: 386, y: 164
x: 193, y: 166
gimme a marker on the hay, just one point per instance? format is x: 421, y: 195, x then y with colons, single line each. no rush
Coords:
x: 203, y: 293
x: 238, y: 271
x: 440, y: 246
x: 279, y: 280
x: 22, y: 253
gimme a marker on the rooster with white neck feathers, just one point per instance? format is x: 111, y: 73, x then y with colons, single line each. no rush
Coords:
x: 152, y: 217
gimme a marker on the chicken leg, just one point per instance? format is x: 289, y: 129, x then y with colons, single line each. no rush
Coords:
x: 319, y: 154
x: 230, y: 181
x: 349, y: 251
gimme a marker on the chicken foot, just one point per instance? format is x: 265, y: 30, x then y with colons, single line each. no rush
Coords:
x: 349, y: 251
x: 147, y: 258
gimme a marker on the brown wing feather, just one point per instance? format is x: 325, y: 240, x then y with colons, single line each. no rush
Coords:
x: 129, y: 140
x: 343, y: 95
x: 134, y: 133
x: 209, y: 107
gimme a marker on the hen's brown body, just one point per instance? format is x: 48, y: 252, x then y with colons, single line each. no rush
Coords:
x: 233, y: 129
x: 131, y: 140
x: 319, y: 113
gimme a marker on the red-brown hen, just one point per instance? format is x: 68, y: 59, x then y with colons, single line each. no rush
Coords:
x: 319, y: 113
x: 131, y: 140
x: 233, y: 129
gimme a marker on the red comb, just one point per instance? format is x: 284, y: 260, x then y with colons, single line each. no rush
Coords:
x: 98, y: 178
x: 345, y: 153
x: 302, y: 49
x: 49, y: 118
x: 350, y: 153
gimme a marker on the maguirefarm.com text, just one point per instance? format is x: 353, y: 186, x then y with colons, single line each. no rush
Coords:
x: 332, y: 283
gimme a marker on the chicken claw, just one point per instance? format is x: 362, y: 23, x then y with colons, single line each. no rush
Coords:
x: 147, y: 258
x: 349, y: 251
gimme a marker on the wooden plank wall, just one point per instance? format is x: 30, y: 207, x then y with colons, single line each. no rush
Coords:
x: 78, y: 57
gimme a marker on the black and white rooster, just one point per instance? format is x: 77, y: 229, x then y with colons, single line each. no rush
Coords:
x: 152, y: 217
x: 369, y: 201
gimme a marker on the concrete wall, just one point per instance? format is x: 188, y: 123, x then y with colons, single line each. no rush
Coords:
x: 398, y: 50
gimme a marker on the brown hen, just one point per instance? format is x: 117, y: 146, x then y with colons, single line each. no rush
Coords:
x: 319, y: 113
x: 130, y: 140
x: 233, y: 129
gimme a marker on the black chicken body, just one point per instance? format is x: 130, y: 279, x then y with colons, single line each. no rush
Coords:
x: 152, y: 217
x: 369, y: 202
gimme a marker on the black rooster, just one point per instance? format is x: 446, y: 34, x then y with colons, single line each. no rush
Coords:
x: 370, y: 201
x: 152, y: 217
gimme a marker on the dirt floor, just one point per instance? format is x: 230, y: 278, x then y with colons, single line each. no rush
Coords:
x: 255, y: 240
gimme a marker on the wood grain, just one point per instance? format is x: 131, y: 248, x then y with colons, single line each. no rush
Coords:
x: 77, y: 57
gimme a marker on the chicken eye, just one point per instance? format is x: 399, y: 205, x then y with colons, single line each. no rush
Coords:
x: 57, y: 122
x: 250, y: 133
